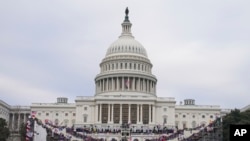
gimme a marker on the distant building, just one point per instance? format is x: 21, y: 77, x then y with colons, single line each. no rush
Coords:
x: 245, y: 108
x: 14, y: 115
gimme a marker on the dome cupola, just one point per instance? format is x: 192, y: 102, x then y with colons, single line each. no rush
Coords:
x: 126, y: 42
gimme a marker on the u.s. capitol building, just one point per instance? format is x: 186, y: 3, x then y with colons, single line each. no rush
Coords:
x: 125, y: 93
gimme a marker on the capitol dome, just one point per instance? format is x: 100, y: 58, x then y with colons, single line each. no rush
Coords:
x: 126, y: 69
x: 126, y: 44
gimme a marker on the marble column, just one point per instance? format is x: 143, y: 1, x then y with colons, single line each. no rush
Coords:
x: 18, y: 121
x: 13, y: 121
x: 112, y: 82
x: 120, y: 113
x: 153, y: 115
x: 102, y: 85
x: 118, y: 83
x: 155, y: 87
x: 137, y: 119
x: 144, y: 85
x: 129, y: 87
x: 133, y: 84
x: 139, y: 84
x: 108, y: 113
x: 149, y: 119
x: 129, y: 113
x: 24, y: 118
x: 107, y: 84
x: 96, y: 113
x: 141, y: 114
x: 100, y: 113
x: 112, y: 114
x: 122, y: 83
x: 148, y: 86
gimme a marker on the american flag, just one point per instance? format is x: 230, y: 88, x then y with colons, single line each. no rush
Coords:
x: 127, y: 83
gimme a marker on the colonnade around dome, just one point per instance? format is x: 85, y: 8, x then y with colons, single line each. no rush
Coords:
x: 125, y: 84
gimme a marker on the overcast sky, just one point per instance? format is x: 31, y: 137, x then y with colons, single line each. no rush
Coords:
x: 52, y: 48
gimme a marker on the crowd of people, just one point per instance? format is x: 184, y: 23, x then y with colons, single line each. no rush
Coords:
x: 133, y: 130
x: 55, y: 132
x: 165, y: 133
x: 204, y: 131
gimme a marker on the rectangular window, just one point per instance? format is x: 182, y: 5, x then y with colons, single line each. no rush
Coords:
x: 66, y: 114
x: 47, y: 114
x: 85, y: 119
x: 85, y: 108
x: 74, y: 114
x: 165, y: 120
x: 184, y: 125
x: 165, y: 109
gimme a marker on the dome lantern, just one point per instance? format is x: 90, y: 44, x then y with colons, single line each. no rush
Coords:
x: 126, y: 26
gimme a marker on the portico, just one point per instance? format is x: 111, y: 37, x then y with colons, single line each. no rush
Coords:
x: 122, y: 112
